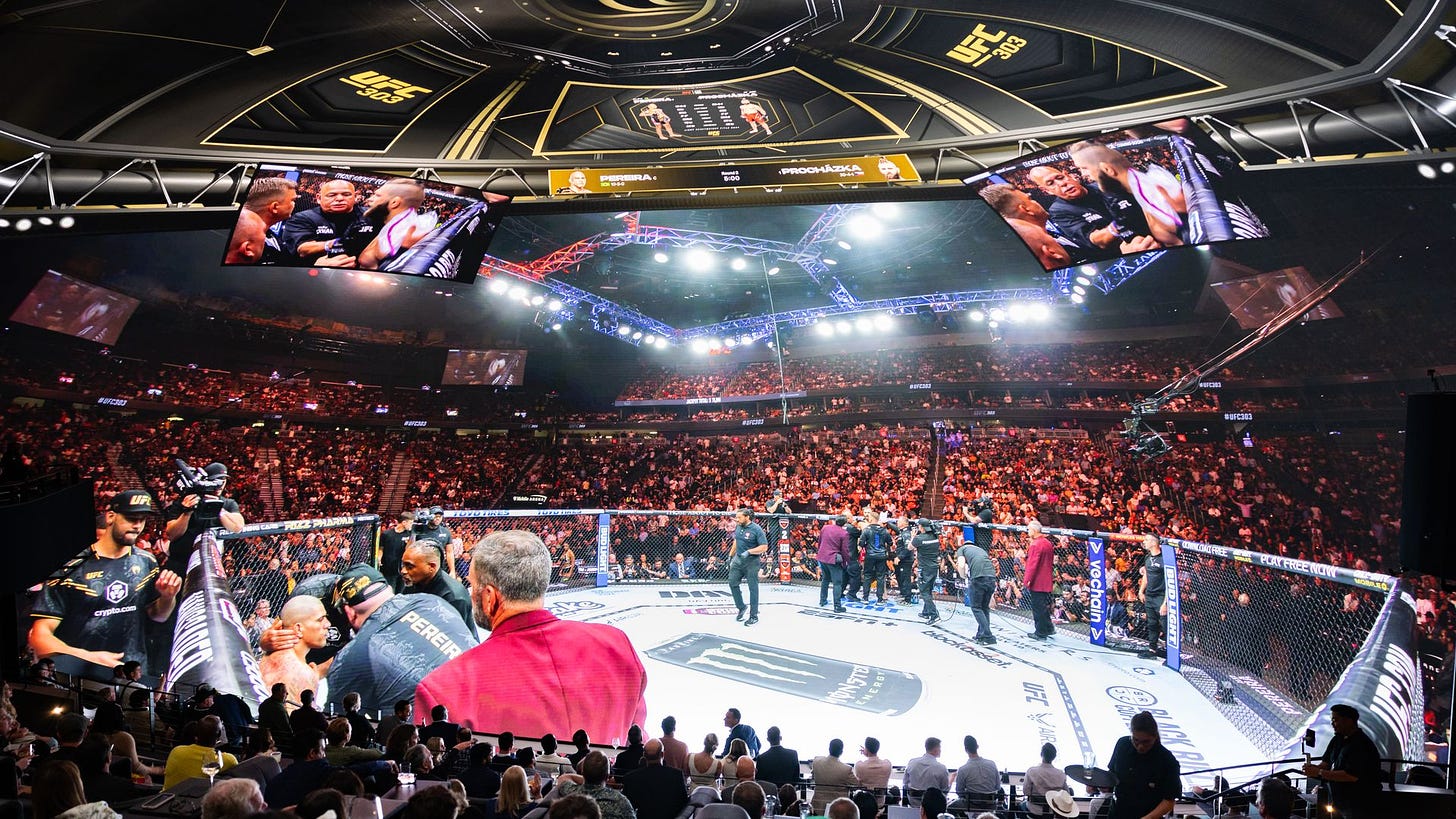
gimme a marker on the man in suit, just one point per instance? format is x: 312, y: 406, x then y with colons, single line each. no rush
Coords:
x: 832, y: 777
x: 655, y: 790
x: 778, y: 764
x: 440, y: 726
x: 738, y: 729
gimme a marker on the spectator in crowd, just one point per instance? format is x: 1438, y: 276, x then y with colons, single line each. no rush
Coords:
x: 1040, y: 778
x: 395, y: 718
x: 630, y: 758
x: 481, y: 780
x: 361, y: 730
x: 925, y: 772
x: 441, y: 726
x: 674, y: 750
x: 873, y: 772
x: 832, y: 777
x: 306, y: 717
x: 185, y: 761
x: 978, y: 776
x: 704, y: 767
x: 553, y: 762
x: 778, y: 764
x: 655, y: 790
x: 574, y: 806
x: 233, y: 799
x: 58, y: 794
x: 592, y: 782
x: 273, y: 714
x: 749, y: 795
x: 843, y: 808
x: 738, y: 729
x: 306, y: 774
x: 515, y: 799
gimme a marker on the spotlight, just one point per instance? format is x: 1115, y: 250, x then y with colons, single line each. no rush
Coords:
x: 773, y: 271
x: 649, y: 339
x: 518, y: 292
x: 1448, y: 167
x: 884, y: 210
x: 997, y: 314
x: 1076, y: 299
x: 714, y: 344
x: 883, y: 322
x: 22, y: 224
x: 843, y: 327
x: 624, y: 329
x: 1089, y: 269
x: 1428, y: 171
x: 1039, y: 311
x: 1084, y: 281
x: 824, y: 328
x: 45, y: 221
x: 662, y: 342
x: 699, y: 345
x: 993, y: 324
x: 830, y: 261
x: 844, y: 244
x: 554, y: 305
x: 1079, y: 290
x: 864, y: 226
x: 68, y: 222
x: 738, y: 263
x: 498, y: 286
x: 745, y: 339
x: 556, y: 326
x: 1016, y: 312
x: 538, y: 301
x: 863, y: 324
x: 699, y: 259
x: 977, y: 315
x: 659, y: 257
x: 4, y: 223
x: 730, y: 343
x: 637, y: 335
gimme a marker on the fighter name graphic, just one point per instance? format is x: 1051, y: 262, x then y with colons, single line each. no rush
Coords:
x: 862, y: 687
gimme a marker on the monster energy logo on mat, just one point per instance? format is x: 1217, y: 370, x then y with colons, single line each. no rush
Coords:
x: 853, y: 685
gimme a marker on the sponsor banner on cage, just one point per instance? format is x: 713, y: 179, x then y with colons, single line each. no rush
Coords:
x: 1097, y: 587
x: 518, y: 513
x: 1384, y: 682
x: 290, y: 526
x: 209, y: 644
x: 822, y: 679
x: 1173, y: 626
x: 1339, y: 574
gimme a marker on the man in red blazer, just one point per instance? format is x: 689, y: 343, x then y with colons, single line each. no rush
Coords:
x: 1039, y: 581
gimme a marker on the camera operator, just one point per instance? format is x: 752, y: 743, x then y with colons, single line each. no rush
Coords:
x: 905, y: 559
x: 974, y: 563
x: 926, y: 543
x: 201, y: 507
x: 430, y: 525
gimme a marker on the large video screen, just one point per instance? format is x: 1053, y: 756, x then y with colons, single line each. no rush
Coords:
x: 308, y: 217
x: 1255, y: 300
x: 1123, y: 192
x: 500, y: 368
x: 66, y: 305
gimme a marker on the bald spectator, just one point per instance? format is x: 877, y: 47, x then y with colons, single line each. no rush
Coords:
x: 233, y: 799
x: 185, y: 761
x: 305, y: 616
x: 249, y: 239
x: 655, y: 790
x: 744, y: 769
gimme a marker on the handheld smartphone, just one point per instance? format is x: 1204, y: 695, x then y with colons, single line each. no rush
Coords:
x: 157, y: 801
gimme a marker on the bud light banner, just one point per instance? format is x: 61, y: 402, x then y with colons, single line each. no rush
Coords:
x: 1173, y: 626
x: 1097, y: 586
x: 210, y: 645
x: 604, y: 548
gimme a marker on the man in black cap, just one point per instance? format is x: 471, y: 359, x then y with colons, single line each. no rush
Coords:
x: 193, y: 513
x: 398, y: 639
x: 421, y: 567
x: 392, y: 542
x: 91, y: 613
x: 926, y: 543
x: 437, y: 531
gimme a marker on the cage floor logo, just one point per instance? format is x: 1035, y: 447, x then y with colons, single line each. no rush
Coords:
x: 563, y: 607
x: 1127, y: 695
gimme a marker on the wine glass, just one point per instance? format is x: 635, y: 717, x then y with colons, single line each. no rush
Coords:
x: 406, y: 775
x: 212, y: 766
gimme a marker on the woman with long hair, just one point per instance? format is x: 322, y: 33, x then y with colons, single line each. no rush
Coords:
x: 401, y: 739
x: 57, y: 793
x: 514, y: 799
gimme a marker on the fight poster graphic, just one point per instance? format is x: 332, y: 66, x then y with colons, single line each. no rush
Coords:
x: 853, y: 685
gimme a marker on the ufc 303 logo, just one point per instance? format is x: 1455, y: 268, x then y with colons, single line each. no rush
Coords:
x: 382, y: 87
x: 977, y: 47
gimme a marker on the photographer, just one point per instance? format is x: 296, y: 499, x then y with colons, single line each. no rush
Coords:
x: 201, y: 507
x: 926, y: 543
x: 775, y: 507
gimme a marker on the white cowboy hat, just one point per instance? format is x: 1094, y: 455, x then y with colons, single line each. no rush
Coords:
x: 1062, y: 803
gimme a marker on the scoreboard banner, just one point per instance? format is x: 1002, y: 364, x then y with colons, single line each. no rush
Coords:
x: 845, y: 170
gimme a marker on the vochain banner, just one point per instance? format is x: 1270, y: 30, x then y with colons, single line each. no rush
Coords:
x: 209, y: 644
x: 1174, y: 624
x: 1097, y: 584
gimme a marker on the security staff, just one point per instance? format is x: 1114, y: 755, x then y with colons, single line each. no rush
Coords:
x: 421, y: 567
x: 905, y: 560
x: 926, y: 543
x: 749, y: 542
x: 877, y: 543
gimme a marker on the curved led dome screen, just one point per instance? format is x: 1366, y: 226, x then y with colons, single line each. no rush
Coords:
x: 307, y: 217
x: 66, y: 305
x: 1124, y: 192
